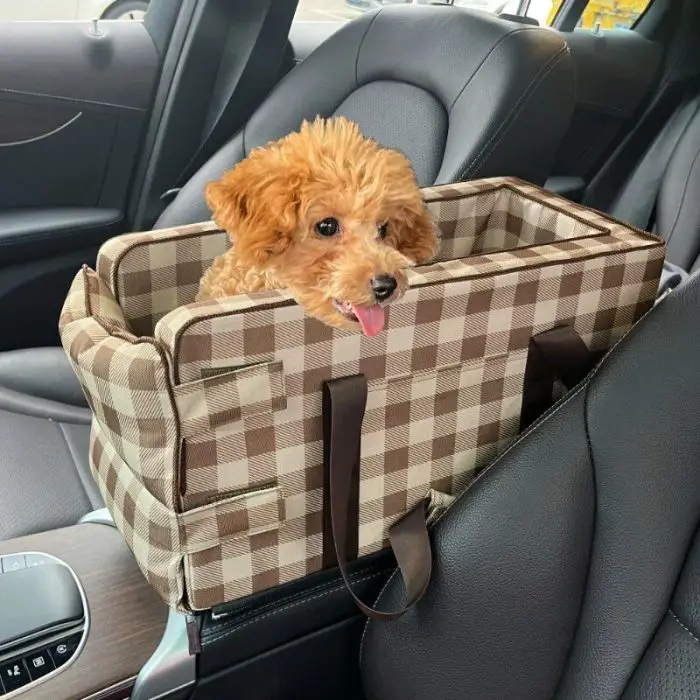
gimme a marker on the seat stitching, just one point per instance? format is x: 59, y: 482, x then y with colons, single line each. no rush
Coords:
x: 252, y: 609
x: 486, y: 58
x: 582, y: 387
x: 335, y: 589
x: 361, y: 44
x: 589, y: 563
x: 512, y: 115
x: 683, y: 197
x: 685, y: 627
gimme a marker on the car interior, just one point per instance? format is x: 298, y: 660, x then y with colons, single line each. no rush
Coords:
x: 569, y: 568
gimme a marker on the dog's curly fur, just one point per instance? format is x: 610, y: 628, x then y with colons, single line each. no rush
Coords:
x: 271, y: 203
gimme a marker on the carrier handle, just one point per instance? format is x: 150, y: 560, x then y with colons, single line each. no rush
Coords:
x: 556, y: 354
x: 344, y: 402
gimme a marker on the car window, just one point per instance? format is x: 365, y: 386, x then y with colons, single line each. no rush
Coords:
x: 329, y: 10
x: 603, y: 14
x: 62, y: 10
x: 342, y: 10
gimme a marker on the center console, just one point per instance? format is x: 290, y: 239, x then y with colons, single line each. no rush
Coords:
x: 44, y: 622
x: 78, y: 620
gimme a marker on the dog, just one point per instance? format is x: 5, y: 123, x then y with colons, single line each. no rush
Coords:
x: 327, y: 214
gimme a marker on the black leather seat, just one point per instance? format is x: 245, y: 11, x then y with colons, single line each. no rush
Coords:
x: 660, y: 195
x: 463, y: 94
x: 570, y: 569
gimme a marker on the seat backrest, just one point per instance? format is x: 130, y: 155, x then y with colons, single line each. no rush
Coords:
x: 569, y: 569
x: 463, y: 94
x: 675, y: 82
x: 678, y: 206
x: 660, y: 193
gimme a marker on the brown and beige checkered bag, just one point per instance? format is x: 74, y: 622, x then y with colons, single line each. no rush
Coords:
x: 220, y: 426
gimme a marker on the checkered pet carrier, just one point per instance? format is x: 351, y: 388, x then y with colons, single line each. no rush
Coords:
x: 220, y: 426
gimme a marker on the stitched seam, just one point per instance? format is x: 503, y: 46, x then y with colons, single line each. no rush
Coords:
x: 589, y: 563
x: 361, y: 44
x: 605, y: 108
x: 339, y: 587
x: 251, y: 609
x: 512, y: 115
x: 683, y: 196
x: 486, y: 58
x: 583, y: 386
x: 687, y: 629
x: 684, y: 130
x: 515, y: 111
x: 72, y: 100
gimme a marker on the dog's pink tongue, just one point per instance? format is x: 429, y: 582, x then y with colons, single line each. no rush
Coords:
x: 371, y: 319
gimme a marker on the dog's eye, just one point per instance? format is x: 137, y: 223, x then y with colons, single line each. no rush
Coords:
x: 328, y: 227
x: 382, y: 229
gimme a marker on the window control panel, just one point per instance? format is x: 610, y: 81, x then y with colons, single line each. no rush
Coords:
x: 36, y: 641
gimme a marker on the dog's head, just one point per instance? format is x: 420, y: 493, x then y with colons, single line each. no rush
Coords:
x: 332, y: 216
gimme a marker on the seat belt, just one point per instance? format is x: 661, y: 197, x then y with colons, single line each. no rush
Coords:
x: 245, y: 91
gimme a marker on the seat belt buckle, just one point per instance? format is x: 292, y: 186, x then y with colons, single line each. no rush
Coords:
x: 169, y: 195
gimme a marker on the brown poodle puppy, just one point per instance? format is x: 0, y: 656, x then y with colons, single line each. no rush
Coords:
x: 327, y: 214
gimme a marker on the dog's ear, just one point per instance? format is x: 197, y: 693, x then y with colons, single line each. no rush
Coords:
x: 255, y: 203
x: 414, y: 234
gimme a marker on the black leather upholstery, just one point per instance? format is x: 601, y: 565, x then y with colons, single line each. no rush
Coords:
x: 54, y: 231
x: 564, y: 571
x: 43, y: 465
x: 42, y: 373
x: 463, y: 94
x: 662, y: 191
x: 678, y: 206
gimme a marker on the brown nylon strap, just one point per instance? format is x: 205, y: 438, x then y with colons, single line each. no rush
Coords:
x: 344, y: 402
x: 557, y: 354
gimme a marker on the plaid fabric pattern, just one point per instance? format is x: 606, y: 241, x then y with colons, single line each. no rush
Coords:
x: 436, y: 503
x: 127, y: 386
x: 207, y: 439
x: 154, y: 272
x: 162, y: 539
x: 225, y: 397
x: 150, y: 528
x: 497, y: 214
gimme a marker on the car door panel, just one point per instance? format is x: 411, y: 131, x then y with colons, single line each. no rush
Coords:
x: 72, y: 109
x: 117, y: 66
x: 32, y: 234
x: 74, y: 105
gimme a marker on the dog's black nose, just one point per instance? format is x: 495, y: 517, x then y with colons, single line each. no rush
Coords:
x: 383, y: 287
